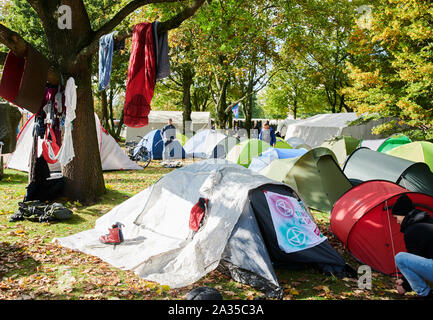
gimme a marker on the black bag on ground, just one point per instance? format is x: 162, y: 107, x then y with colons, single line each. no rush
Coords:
x: 43, y: 211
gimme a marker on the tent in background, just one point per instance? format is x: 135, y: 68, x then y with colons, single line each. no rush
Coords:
x: 385, y: 145
x: 181, y: 138
x: 154, y: 143
x: 158, y: 119
x: 244, y: 151
x: 418, y: 151
x: 236, y: 233
x: 282, y: 144
x: 209, y: 144
x: 315, y: 130
x: 297, y: 143
x: 341, y: 146
x: 365, y: 164
x: 262, y: 161
x: 112, y: 155
x: 363, y: 221
x: 316, y: 176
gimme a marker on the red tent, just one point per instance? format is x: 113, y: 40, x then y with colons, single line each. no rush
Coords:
x: 362, y: 220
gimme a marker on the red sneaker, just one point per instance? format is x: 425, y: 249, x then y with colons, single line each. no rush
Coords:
x: 114, y: 237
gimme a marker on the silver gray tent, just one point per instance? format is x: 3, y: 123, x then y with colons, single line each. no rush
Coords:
x: 159, y: 245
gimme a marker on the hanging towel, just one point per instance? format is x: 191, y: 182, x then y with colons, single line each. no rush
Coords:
x: 23, y: 79
x: 160, y: 42
x: 140, y: 84
x: 106, y: 46
x: 66, y: 153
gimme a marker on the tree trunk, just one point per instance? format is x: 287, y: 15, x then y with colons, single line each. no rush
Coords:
x: 186, y: 97
x: 221, y: 117
x: 84, y: 178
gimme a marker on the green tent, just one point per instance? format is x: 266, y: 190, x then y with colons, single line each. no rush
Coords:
x: 384, y: 145
x: 419, y: 151
x: 282, y: 144
x: 243, y: 152
x: 181, y: 138
x: 342, y: 146
x: 365, y: 164
x: 315, y: 175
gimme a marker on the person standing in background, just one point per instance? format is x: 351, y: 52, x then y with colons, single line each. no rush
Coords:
x: 168, y: 134
x: 267, y: 134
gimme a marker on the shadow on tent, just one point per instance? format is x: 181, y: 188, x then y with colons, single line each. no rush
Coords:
x: 365, y: 164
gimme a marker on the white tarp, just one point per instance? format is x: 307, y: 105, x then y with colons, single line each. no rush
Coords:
x: 157, y: 245
x: 112, y: 155
x: 315, y: 130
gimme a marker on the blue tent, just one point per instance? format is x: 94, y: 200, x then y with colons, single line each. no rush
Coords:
x: 262, y: 161
x: 153, y: 142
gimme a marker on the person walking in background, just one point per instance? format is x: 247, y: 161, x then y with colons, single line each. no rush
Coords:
x: 267, y: 134
x: 168, y: 134
x: 416, y: 264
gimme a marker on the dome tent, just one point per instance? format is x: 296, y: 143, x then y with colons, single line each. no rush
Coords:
x: 153, y: 142
x: 362, y: 220
x: 365, y: 164
x: 316, y: 176
x: 297, y: 143
x: 181, y: 138
x: 263, y: 160
x: 112, y: 155
x: 230, y: 236
x: 282, y: 144
x: 418, y: 151
x: 342, y: 146
x: 244, y: 151
x: 385, y: 145
x: 209, y: 143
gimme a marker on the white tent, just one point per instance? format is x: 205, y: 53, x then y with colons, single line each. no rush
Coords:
x: 284, y: 124
x: 209, y: 143
x: 315, y: 130
x: 112, y: 155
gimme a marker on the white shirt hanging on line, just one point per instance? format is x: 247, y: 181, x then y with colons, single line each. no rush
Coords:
x: 66, y: 153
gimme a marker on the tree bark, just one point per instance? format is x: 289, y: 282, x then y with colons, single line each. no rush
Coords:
x: 84, y: 179
x: 187, y: 78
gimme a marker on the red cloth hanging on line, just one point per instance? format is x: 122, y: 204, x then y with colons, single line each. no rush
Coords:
x: 141, y: 80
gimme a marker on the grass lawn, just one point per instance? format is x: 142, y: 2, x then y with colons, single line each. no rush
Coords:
x: 31, y: 267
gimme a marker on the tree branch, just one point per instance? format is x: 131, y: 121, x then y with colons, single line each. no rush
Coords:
x: 18, y: 46
x: 128, y: 9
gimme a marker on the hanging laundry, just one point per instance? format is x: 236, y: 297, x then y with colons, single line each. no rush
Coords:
x: 161, y: 52
x: 141, y: 81
x: 106, y: 47
x: 66, y: 153
x: 23, y: 79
